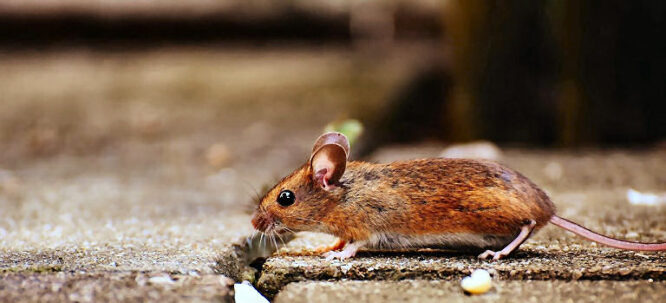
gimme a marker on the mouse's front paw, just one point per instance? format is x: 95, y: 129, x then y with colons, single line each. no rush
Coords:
x: 348, y: 252
x: 338, y: 254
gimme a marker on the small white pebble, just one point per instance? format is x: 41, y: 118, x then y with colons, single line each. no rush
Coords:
x: 473, y: 150
x: 165, y: 279
x: 638, y: 198
x: 632, y: 235
x: 193, y: 273
x: 245, y: 293
x: 479, y: 282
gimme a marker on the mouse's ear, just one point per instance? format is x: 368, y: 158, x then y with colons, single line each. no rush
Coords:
x: 329, y: 159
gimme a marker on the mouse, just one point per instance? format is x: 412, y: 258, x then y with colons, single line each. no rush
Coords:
x: 439, y: 202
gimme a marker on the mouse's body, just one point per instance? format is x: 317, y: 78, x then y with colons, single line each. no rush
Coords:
x: 435, y: 202
x: 453, y: 203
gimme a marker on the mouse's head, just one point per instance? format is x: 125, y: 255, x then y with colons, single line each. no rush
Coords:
x: 300, y: 201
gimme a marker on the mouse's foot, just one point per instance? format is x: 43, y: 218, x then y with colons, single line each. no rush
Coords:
x: 349, y: 251
x: 525, y: 232
x: 496, y: 255
x: 339, y: 255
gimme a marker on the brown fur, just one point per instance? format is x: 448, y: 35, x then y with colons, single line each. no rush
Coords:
x: 418, y: 197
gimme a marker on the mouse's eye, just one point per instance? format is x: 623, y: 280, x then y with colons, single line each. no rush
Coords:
x: 286, y: 198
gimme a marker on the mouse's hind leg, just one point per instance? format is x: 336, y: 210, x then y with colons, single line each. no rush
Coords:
x: 525, y: 232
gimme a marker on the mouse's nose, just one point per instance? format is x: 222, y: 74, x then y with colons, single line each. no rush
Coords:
x: 260, y: 221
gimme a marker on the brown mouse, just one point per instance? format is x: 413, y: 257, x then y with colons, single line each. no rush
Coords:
x: 454, y: 203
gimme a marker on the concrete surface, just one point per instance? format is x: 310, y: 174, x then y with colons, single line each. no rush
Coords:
x: 100, y: 237
x: 96, y: 234
x: 113, y: 287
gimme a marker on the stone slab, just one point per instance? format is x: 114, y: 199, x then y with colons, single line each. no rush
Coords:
x: 113, y: 287
x: 528, y: 264
x: 450, y: 291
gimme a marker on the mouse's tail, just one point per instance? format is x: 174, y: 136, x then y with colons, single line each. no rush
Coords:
x: 592, y: 236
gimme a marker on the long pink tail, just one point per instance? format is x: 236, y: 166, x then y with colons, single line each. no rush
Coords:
x: 590, y: 235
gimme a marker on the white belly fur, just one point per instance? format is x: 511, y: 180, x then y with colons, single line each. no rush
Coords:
x: 450, y: 240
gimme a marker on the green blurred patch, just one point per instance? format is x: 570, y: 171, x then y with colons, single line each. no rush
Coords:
x: 351, y: 128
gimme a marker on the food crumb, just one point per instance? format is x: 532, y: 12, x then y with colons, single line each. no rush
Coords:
x: 477, y: 283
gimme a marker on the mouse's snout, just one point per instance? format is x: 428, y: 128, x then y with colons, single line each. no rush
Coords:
x: 261, y: 221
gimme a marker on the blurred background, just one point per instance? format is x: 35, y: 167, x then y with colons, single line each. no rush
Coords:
x: 80, y: 77
x: 190, y: 105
